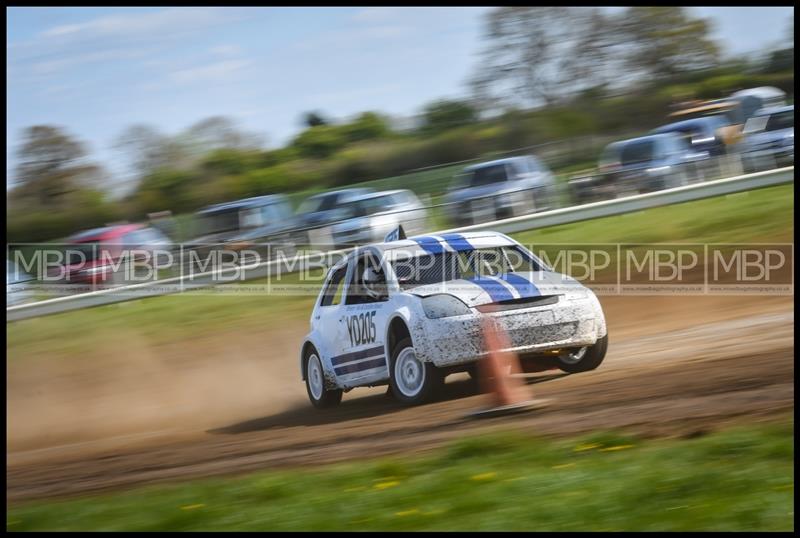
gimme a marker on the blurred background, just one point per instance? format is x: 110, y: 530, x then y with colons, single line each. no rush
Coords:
x: 116, y: 114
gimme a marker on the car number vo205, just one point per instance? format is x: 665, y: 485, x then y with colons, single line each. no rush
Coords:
x: 361, y: 328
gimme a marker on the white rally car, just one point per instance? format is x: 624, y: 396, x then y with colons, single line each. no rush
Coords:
x: 409, y: 312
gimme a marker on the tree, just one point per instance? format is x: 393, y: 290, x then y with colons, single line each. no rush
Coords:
x: 52, y: 164
x: 320, y: 142
x: 444, y: 114
x: 314, y: 119
x: 366, y: 126
x: 663, y: 42
x: 147, y: 149
x: 541, y: 55
x: 220, y: 132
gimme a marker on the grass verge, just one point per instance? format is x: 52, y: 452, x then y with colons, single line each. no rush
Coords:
x: 738, y: 479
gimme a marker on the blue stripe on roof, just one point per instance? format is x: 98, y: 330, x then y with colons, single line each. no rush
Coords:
x: 430, y: 244
x: 458, y: 242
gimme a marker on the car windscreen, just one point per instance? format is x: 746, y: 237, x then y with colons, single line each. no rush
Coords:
x: 219, y: 221
x: 446, y: 266
x: 370, y: 206
x: 321, y: 202
x: 637, y: 151
x: 487, y: 175
x: 781, y: 120
x: 610, y: 156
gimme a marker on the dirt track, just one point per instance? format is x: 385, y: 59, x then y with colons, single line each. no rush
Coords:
x: 675, y: 366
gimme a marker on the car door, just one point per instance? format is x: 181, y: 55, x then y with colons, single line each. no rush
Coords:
x: 326, y: 319
x: 361, y: 357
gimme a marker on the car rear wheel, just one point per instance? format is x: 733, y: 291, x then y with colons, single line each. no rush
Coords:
x: 413, y: 382
x: 315, y: 384
x: 585, y: 358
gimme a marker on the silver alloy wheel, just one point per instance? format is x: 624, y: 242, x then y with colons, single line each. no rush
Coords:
x: 409, y: 373
x: 574, y: 356
x: 315, y: 382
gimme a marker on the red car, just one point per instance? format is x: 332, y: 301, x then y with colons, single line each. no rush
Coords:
x: 93, y: 256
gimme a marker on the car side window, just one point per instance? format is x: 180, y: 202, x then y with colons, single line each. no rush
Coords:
x: 333, y: 290
x: 357, y: 293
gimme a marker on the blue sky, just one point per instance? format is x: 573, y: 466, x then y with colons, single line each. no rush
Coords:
x: 95, y: 71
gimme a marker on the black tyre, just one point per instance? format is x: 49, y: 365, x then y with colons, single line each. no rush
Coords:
x: 412, y: 381
x: 585, y: 358
x: 315, y: 383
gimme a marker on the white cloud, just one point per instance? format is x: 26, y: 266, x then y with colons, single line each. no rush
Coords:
x: 146, y: 24
x: 210, y: 72
x: 47, y: 67
x: 226, y: 50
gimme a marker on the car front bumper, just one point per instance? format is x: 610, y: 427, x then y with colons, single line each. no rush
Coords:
x: 457, y: 340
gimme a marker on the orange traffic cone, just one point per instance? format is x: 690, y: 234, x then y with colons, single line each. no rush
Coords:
x: 496, y: 372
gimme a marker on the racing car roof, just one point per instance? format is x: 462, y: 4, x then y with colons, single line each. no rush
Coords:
x: 448, y: 242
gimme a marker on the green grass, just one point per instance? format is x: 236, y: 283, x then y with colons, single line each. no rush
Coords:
x: 739, y: 479
x: 761, y: 215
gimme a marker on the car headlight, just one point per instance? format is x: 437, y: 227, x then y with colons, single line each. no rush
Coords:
x: 580, y: 294
x: 442, y: 306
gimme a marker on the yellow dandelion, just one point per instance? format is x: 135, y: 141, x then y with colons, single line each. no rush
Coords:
x: 192, y: 506
x: 483, y: 476
x: 405, y: 513
x: 582, y: 448
x: 384, y: 485
x: 617, y: 447
x: 434, y: 512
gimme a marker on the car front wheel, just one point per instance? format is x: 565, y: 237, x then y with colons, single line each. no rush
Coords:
x: 413, y: 382
x: 584, y: 359
x: 315, y: 384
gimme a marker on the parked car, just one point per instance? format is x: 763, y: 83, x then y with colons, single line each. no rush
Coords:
x: 369, y: 217
x: 639, y: 165
x: 95, y: 256
x: 322, y: 209
x: 263, y: 223
x: 769, y: 139
x: 702, y: 134
x: 500, y: 189
x: 17, y: 285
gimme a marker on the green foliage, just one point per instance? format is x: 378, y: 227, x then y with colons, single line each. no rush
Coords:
x: 83, y: 208
x: 320, y: 141
x: 367, y: 126
x: 166, y: 189
x: 443, y: 115
x: 666, y: 41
